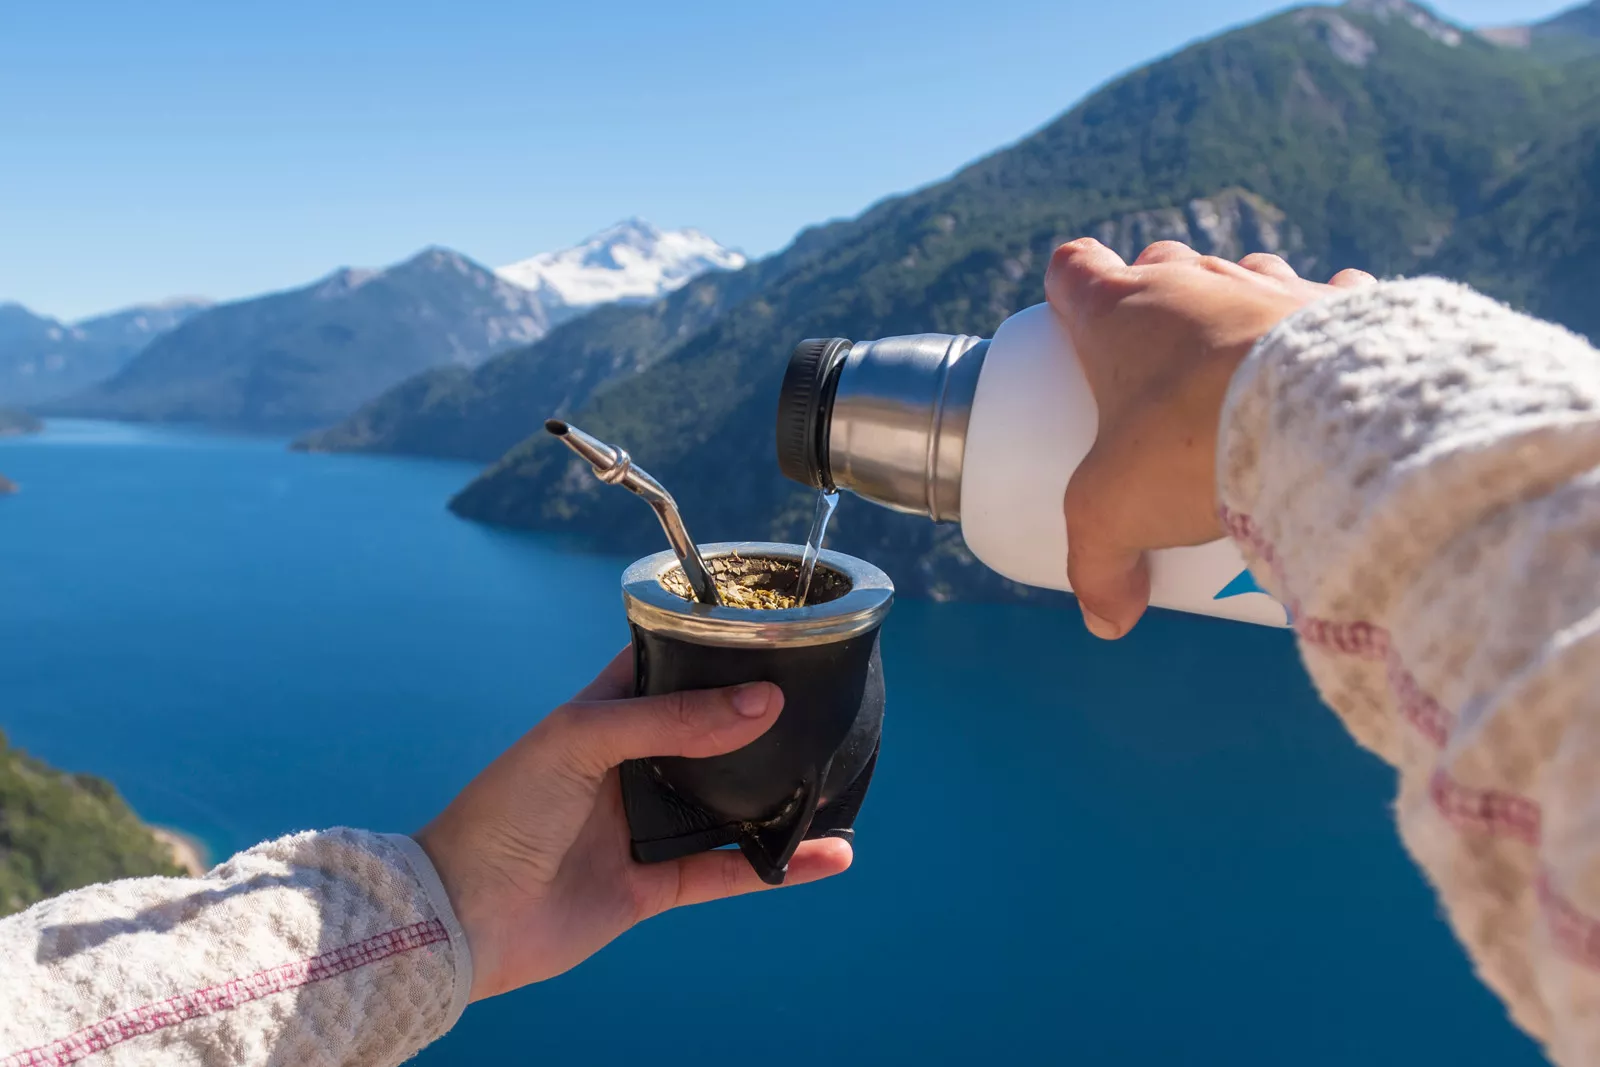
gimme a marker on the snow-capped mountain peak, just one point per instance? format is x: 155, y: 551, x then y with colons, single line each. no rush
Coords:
x: 632, y: 262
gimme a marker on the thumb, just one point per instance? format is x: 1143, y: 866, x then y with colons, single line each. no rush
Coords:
x: 719, y: 874
x: 696, y: 724
x: 1108, y: 573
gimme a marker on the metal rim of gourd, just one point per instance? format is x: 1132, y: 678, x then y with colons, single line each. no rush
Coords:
x: 859, y: 610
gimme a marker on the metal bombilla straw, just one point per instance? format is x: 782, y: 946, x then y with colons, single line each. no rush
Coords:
x: 614, y: 466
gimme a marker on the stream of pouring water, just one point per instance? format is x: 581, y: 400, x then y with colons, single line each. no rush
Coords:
x: 826, y: 502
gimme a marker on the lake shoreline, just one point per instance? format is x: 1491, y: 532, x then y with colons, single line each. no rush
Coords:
x: 188, y: 851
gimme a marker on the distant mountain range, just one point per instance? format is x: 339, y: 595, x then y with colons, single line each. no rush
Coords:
x: 478, y: 414
x: 42, y: 358
x: 312, y: 355
x: 1571, y: 35
x: 1374, y: 134
x: 633, y: 262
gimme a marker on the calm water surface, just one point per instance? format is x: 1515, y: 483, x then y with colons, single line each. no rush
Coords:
x: 1156, y: 852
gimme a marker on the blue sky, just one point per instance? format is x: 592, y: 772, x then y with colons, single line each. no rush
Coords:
x: 222, y: 149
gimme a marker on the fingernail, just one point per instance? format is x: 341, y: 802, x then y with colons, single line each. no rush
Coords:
x: 750, y: 700
x: 1104, y: 629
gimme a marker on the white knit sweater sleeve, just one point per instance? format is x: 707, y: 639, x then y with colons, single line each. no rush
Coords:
x: 1415, y: 470
x: 320, y: 949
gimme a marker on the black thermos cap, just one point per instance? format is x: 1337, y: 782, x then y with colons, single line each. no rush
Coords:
x: 805, y: 407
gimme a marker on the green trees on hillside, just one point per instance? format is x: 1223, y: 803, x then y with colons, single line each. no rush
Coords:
x: 59, y: 831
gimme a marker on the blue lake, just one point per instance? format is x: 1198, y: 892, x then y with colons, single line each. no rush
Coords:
x: 1162, y: 851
